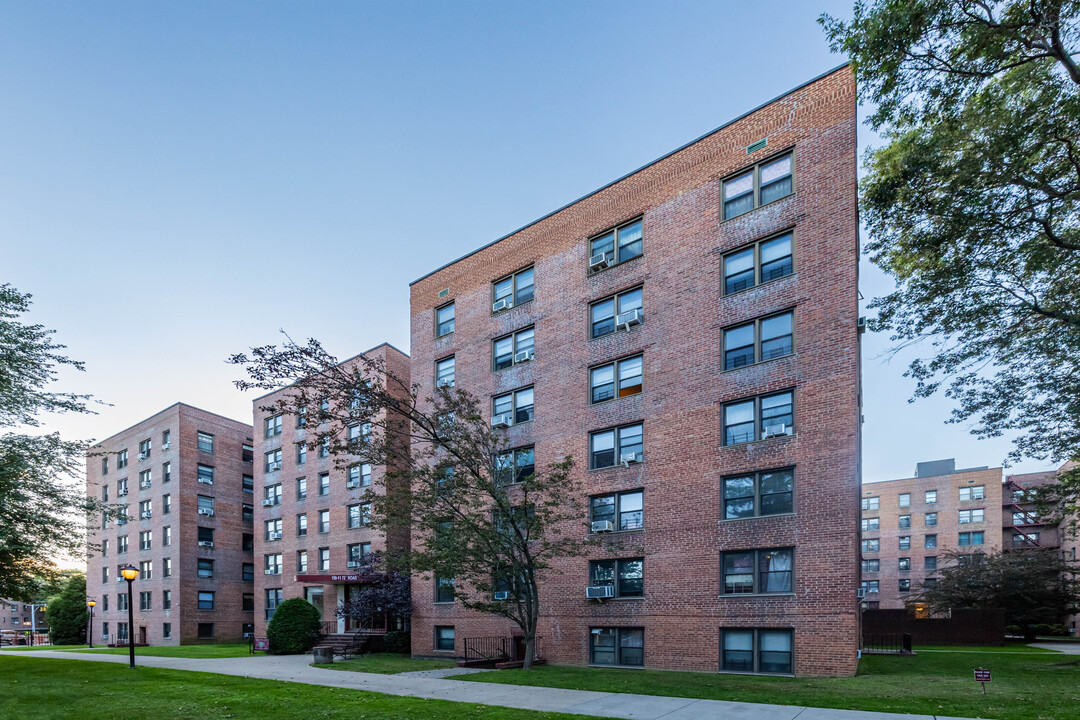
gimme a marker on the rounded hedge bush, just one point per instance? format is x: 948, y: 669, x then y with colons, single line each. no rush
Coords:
x: 294, y: 628
x: 397, y: 641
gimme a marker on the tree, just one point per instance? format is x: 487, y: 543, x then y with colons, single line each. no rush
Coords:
x: 482, y: 519
x: 973, y: 204
x: 1034, y: 586
x: 294, y: 628
x: 43, y: 509
x: 67, y: 613
x: 385, y: 593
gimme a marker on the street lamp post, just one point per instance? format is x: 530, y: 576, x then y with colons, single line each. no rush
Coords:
x: 33, y: 621
x: 129, y: 573
x: 90, y: 633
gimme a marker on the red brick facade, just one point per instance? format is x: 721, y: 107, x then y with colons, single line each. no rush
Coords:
x: 685, y: 387
x: 227, y: 620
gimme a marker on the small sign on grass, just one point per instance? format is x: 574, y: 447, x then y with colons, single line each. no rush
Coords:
x: 982, y: 675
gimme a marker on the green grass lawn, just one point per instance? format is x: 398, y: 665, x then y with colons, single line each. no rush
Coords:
x: 44, y: 647
x: 43, y: 689
x: 224, y: 650
x: 1025, y: 685
x: 389, y: 664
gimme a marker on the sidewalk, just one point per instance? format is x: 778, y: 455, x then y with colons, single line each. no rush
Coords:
x: 296, y: 668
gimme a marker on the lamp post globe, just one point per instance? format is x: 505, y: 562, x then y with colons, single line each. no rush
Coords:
x: 90, y: 603
x: 129, y: 573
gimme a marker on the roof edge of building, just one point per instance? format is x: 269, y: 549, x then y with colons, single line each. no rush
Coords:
x: 663, y: 157
x: 929, y: 477
x: 342, y: 362
x: 178, y: 403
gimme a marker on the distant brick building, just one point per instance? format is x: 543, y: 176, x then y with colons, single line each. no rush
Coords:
x: 185, y: 475
x: 311, y: 524
x: 689, y: 334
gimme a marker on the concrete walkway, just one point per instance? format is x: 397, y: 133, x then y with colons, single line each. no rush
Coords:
x: 296, y: 668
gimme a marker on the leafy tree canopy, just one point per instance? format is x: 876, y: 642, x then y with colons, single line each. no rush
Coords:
x: 973, y: 204
x: 386, y: 594
x: 67, y: 613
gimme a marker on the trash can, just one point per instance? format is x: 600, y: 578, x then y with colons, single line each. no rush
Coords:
x: 323, y: 654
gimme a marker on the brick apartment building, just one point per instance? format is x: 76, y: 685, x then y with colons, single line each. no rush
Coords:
x: 21, y: 617
x: 910, y: 526
x: 311, y: 524
x: 689, y: 333
x: 186, y: 477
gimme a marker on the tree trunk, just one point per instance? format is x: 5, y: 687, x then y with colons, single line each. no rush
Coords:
x: 530, y: 644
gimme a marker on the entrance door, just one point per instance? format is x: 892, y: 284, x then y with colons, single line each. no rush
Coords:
x: 314, y: 595
x: 351, y: 593
x: 142, y: 635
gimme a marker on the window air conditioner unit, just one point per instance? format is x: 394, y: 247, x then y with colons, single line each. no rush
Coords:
x: 166, y: 446
x: 205, y: 480
x: 860, y: 593
x: 144, y: 485
x: 626, y: 459
x: 598, y: 262
x: 772, y: 431
x: 602, y: 526
x: 269, y: 571
x: 206, y: 543
x: 353, y: 563
x: 352, y: 484
x: 275, y: 465
x: 121, y: 492
x: 120, y: 579
x: 275, y: 536
x: 628, y: 320
x: 502, y: 595
x: 206, y: 511
x: 501, y: 305
x: 598, y: 592
x: 445, y: 382
x: 146, y: 514
x: 504, y: 420
x: 143, y: 456
x: 104, y: 637
x: 523, y: 356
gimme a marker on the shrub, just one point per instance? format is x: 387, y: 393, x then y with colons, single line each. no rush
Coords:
x: 294, y: 628
x: 397, y: 641
x: 67, y: 613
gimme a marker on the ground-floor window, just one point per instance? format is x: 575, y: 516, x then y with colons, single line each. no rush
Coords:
x: 122, y: 632
x: 206, y: 631
x: 166, y: 630
x: 444, y: 637
x: 759, y: 650
x: 617, y: 646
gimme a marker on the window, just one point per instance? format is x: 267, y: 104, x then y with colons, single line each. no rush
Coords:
x: 931, y: 497
x: 272, y: 564
x: 145, y: 479
x: 871, y: 586
x: 444, y: 590
x: 904, y: 564
x: 513, y: 466
x: 166, y: 567
x: 871, y: 503
x: 758, y: 341
x: 121, y: 487
x: 301, y: 418
x: 607, y: 445
x: 1025, y: 518
x: 205, y: 631
x: 301, y: 525
x: 757, y: 494
x: 519, y: 346
x: 930, y: 519
x: 618, y: 379
x: 359, y: 515
x: 617, y: 646
x: 930, y: 563
x: 359, y: 475
x: 206, y: 534
x: 603, y: 314
x: 444, y: 637
x: 301, y: 453
x: 166, y: 437
x: 444, y: 372
x: 205, y: 568
x: 761, y: 417
x: 104, y: 466
x: 166, y: 472
x: 758, y: 185
x: 205, y: 442
x: 247, y: 453
x: 1025, y: 495
x: 903, y: 521
x: 904, y: 542
x: 905, y: 500
x: 121, y: 459
x: 206, y: 600
x: 626, y: 576
x: 146, y: 539
x: 971, y: 516
x: 324, y: 558
x: 871, y: 566
x: 623, y: 510
x: 247, y: 542
x: 1030, y: 539
x: 517, y: 406
x: 272, y: 426
x: 929, y: 541
x: 146, y: 570
x: 301, y: 561
x: 121, y: 602
x: 444, y: 320
x: 166, y: 599
x: 904, y: 585
x: 756, y: 650
x: 273, y: 599
x: 146, y: 509
x: 324, y: 521
x: 247, y: 513
x: 971, y: 538
x: 247, y: 573
x: 755, y: 572
x: 272, y: 460
x: 616, y: 245
x: 247, y: 602
x: 104, y: 575
x: 324, y: 483
x: 324, y: 441
x: 273, y: 530
x: 301, y: 488
x: 768, y: 260
x: 272, y: 494
x: 104, y: 548
x: 975, y: 492
x: 144, y: 449
x: 867, y: 524
x: 206, y: 505
x: 514, y: 290
x: 358, y: 551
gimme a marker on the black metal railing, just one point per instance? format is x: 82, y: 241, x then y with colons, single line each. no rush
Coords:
x: 489, y: 648
x: 892, y: 642
x: 329, y: 627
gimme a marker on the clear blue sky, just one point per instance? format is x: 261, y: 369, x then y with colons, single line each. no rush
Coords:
x: 180, y: 180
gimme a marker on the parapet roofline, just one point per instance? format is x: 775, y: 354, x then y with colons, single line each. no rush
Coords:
x: 131, y: 427
x: 634, y: 172
x: 342, y: 362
